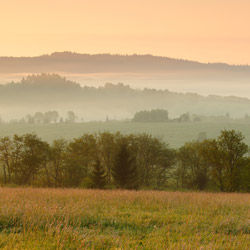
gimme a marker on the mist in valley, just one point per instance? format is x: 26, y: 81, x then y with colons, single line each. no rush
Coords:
x: 138, y: 71
x: 44, y: 92
x: 109, y: 93
x: 99, y: 86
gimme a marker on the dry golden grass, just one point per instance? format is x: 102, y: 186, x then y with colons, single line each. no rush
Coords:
x: 89, y: 219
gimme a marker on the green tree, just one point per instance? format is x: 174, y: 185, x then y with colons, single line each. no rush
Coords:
x: 5, y: 157
x: 45, y: 153
x: 58, y: 152
x: 213, y: 156
x: 32, y: 158
x: 16, y: 157
x: 106, y: 142
x: 193, y: 169
x: 124, y: 170
x: 165, y: 164
x: 154, y: 160
x: 233, y: 151
x: 80, y: 156
x: 227, y: 159
x: 98, y: 175
x: 245, y: 176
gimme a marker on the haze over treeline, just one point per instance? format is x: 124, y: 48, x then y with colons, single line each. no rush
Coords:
x: 52, y: 92
x: 136, y: 70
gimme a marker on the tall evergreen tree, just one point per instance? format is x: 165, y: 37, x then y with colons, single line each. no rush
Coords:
x: 98, y: 176
x: 124, y: 171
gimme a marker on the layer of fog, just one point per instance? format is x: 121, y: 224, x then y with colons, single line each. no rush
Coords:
x: 203, y: 87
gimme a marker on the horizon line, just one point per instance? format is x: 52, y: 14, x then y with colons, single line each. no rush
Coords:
x: 134, y: 54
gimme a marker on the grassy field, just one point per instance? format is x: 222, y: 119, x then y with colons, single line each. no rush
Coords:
x: 176, y: 134
x: 89, y: 219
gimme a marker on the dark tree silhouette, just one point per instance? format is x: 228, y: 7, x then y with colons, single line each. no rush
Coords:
x: 124, y: 170
x: 155, y: 115
x: 98, y: 175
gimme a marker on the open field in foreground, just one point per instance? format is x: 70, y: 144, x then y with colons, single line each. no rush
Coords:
x: 176, y: 134
x: 89, y: 219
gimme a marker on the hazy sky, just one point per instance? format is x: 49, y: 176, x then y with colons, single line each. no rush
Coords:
x: 204, y: 30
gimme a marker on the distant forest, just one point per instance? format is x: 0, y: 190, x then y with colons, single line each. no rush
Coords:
x: 101, y: 63
x: 52, y: 92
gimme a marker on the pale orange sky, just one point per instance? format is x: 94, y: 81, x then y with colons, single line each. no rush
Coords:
x: 203, y: 30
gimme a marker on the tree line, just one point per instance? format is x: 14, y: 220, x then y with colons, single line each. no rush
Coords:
x: 135, y: 161
x: 45, y: 118
x: 162, y: 115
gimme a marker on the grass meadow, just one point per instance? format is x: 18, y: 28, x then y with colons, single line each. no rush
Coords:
x: 33, y: 218
x: 176, y: 134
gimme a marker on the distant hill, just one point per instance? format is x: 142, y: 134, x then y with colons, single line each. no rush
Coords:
x: 52, y: 92
x: 68, y: 62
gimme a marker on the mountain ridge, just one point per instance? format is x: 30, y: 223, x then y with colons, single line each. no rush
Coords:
x: 94, y: 63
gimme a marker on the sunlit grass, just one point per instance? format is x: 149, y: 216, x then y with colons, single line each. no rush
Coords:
x: 90, y: 219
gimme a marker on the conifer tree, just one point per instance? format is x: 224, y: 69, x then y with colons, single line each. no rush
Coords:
x: 124, y: 171
x: 98, y: 176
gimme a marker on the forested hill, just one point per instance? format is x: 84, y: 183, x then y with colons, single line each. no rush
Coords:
x: 52, y: 92
x: 106, y: 63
